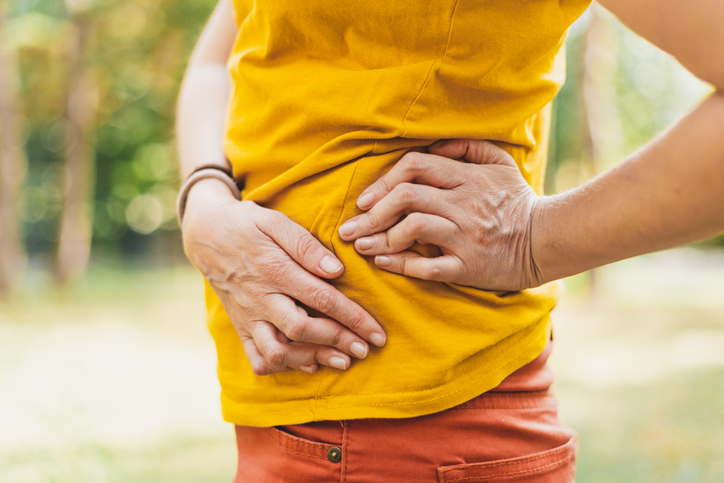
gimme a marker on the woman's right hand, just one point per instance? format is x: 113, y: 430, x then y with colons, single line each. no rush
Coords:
x: 260, y: 263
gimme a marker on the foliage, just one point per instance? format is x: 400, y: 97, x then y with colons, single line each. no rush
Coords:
x: 651, y: 92
x: 135, y: 58
x: 136, y: 55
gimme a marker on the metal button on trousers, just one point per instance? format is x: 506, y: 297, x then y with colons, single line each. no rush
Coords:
x: 334, y: 454
x: 511, y: 433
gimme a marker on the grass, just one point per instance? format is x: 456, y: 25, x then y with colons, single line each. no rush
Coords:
x: 113, y: 380
x: 175, y: 457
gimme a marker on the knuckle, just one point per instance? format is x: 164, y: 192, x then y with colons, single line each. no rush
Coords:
x: 306, y: 246
x: 298, y: 330
x: 373, y: 220
x: 275, y: 356
x: 413, y: 162
x: 276, y: 269
x: 285, y: 322
x: 430, y: 273
x: 337, y: 338
x: 268, y: 220
x: 357, y: 321
x: 404, y: 267
x: 384, y: 184
x: 260, y: 368
x: 323, y: 300
x: 406, y: 193
x: 387, y: 242
x: 416, y: 222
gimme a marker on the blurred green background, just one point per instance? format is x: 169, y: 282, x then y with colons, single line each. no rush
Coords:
x: 106, y: 372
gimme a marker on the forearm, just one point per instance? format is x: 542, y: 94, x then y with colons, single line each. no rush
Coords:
x: 204, y: 96
x: 667, y: 194
x: 201, y: 117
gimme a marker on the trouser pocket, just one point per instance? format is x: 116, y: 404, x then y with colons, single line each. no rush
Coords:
x: 272, y: 455
x: 557, y: 465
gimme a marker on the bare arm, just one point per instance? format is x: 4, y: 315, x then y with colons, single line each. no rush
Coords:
x: 503, y: 236
x: 257, y: 260
x: 205, y: 93
x: 670, y: 192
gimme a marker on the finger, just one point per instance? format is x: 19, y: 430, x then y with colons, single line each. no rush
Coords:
x: 294, y: 322
x: 414, y: 167
x: 403, y: 199
x: 279, y: 355
x: 311, y: 369
x: 319, y: 295
x: 261, y: 367
x: 259, y: 364
x: 441, y: 269
x: 473, y: 151
x: 417, y: 227
x: 300, y: 245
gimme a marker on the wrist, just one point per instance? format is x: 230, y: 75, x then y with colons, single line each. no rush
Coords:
x: 208, y: 204
x: 541, y: 243
x: 205, y: 201
x: 561, y: 240
x: 201, y: 173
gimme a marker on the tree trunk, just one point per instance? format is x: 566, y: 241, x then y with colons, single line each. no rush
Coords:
x: 78, y: 175
x: 602, y: 134
x: 12, y: 168
x: 599, y: 92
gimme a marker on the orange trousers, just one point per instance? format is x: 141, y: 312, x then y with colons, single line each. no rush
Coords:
x: 511, y: 433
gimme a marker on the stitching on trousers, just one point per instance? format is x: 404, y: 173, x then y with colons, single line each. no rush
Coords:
x: 565, y: 447
x: 291, y: 450
x: 345, y: 452
x: 537, y: 394
x: 532, y: 470
x: 510, y: 407
x: 313, y: 445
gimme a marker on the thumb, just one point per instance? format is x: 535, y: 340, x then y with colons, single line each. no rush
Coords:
x: 306, y: 250
x: 475, y: 151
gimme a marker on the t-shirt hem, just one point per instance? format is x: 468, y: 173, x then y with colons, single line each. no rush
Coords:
x: 398, y: 405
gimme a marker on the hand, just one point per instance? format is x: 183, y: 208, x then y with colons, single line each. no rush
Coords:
x: 478, y: 213
x: 259, y: 263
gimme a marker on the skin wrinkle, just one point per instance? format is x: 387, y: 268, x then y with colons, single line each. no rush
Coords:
x: 576, y: 238
x: 248, y: 295
x: 482, y: 212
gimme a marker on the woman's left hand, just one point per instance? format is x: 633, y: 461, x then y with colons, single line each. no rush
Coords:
x: 477, y: 212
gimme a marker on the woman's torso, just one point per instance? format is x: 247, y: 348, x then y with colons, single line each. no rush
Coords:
x: 326, y: 97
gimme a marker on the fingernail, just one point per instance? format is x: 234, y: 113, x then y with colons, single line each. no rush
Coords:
x: 330, y: 265
x: 365, y: 243
x: 377, y: 339
x: 348, y: 228
x: 309, y: 369
x: 365, y: 200
x: 358, y: 349
x: 382, y: 261
x: 338, y: 363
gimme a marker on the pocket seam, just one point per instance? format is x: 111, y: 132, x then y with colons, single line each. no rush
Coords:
x: 545, y: 454
x: 531, y: 470
x: 274, y: 437
x: 511, y: 407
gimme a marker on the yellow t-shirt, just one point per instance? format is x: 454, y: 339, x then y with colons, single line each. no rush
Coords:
x: 326, y: 96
